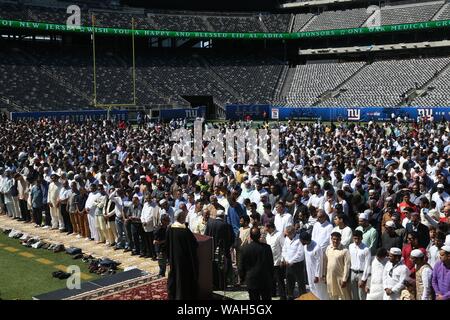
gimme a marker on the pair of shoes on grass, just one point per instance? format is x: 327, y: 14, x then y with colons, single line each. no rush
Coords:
x: 61, y: 275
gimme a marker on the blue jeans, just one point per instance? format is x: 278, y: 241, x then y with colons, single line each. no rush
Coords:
x: 121, y: 242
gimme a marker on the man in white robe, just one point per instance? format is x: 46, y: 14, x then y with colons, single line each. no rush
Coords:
x: 395, y: 274
x: 7, y: 184
x: 54, y: 189
x: 91, y: 208
x: 322, y: 230
x: 374, y: 287
x: 314, y: 266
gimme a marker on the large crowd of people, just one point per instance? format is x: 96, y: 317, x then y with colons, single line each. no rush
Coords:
x: 356, y: 211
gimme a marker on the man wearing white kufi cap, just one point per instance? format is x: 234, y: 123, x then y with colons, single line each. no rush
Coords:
x: 370, y: 234
x: 395, y: 274
x: 440, y: 197
x: 423, y: 275
x: 390, y: 238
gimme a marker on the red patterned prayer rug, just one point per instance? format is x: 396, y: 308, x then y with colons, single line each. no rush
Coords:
x: 155, y: 290
x: 146, y: 287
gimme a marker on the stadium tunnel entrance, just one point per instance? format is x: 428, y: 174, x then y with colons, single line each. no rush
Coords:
x: 204, y: 101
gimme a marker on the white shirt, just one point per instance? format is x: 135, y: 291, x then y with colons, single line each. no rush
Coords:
x: 429, y: 217
x: 321, y: 234
x: 223, y: 202
x: 308, y: 180
x: 314, y: 261
x: 427, y: 274
x: 316, y: 201
x: 190, y: 207
x: 293, y: 250
x: 255, y: 196
x: 275, y: 241
x: 64, y: 194
x: 282, y: 221
x: 376, y: 280
x: 433, y: 255
x: 360, y: 259
x: 394, y: 280
x: 193, y: 220
x: 346, y: 233
x: 147, y: 215
x: 328, y: 208
x: 118, y: 208
x: 405, y: 221
x: 53, y: 192
x: 436, y: 197
x: 91, y: 200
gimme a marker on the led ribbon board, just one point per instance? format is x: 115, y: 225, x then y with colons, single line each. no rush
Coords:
x: 225, y: 35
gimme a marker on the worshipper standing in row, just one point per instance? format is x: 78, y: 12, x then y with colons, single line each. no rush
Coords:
x: 395, y: 274
x: 256, y: 267
x: 337, y: 262
x: 360, y: 266
x: 223, y: 239
x: 441, y: 275
x: 293, y: 260
x: 423, y: 275
x: 182, y: 282
x: 394, y: 177
x: 160, y: 245
x: 374, y: 287
x: 314, y: 266
x: 275, y: 240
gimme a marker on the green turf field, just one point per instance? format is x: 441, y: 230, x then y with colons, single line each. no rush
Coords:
x: 26, y: 272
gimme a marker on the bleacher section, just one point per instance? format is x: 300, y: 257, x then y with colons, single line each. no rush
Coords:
x: 251, y: 22
x: 34, y: 73
x: 38, y: 78
x: 328, y: 20
x: 438, y: 93
x: 409, y: 14
x: 301, y: 20
x: 177, y: 22
x: 383, y: 83
x: 312, y: 80
x: 276, y: 22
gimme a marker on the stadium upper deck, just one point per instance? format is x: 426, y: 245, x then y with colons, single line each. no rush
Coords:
x: 264, y: 22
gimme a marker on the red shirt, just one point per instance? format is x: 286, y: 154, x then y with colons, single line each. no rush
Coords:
x: 406, y: 254
x: 403, y: 205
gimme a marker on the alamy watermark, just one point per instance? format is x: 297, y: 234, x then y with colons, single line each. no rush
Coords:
x: 235, y: 146
x: 74, y: 281
x: 74, y: 20
x: 374, y: 20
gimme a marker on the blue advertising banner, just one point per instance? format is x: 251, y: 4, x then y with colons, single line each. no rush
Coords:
x: 363, y: 114
x: 185, y: 113
x: 74, y: 116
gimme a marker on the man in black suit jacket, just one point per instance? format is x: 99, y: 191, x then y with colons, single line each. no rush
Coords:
x: 223, y: 237
x: 256, y: 267
x: 423, y: 234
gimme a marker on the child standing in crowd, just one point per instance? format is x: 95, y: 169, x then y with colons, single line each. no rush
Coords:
x: 160, y: 245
